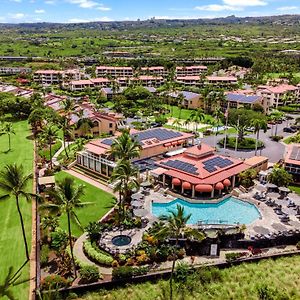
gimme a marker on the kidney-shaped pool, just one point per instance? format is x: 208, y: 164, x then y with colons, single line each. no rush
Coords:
x: 228, y: 211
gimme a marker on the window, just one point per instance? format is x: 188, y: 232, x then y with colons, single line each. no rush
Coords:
x: 110, y: 125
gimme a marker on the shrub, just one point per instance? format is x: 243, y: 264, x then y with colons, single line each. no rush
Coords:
x: 59, y: 239
x: 97, y: 255
x: 232, y: 256
x: 298, y: 245
x: 182, y: 271
x: 181, y: 253
x: 245, y: 143
x: 115, y: 264
x: 94, y: 230
x: 53, y: 282
x: 276, y: 138
x: 44, y: 255
x: 128, y: 272
x: 208, y: 275
x: 89, y: 274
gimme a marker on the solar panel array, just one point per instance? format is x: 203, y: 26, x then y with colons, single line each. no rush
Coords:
x: 242, y: 98
x: 295, y: 155
x: 211, y: 164
x: 159, y: 133
x: 183, y: 166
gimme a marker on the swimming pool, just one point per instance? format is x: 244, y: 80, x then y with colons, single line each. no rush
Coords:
x: 228, y: 211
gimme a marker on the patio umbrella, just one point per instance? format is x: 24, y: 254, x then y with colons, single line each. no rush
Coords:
x: 137, y: 196
x: 136, y: 203
x: 146, y: 184
x: 140, y: 212
x: 271, y: 186
x: 284, y: 189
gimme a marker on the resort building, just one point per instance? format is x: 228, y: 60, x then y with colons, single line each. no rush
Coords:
x: 107, y: 71
x: 191, y: 100
x: 190, y: 70
x: 147, y: 80
x: 199, y: 172
x: 241, y: 100
x: 292, y: 161
x: 194, y: 80
x: 14, y: 70
x: 80, y: 85
x: 221, y: 80
x: 258, y: 163
x: 279, y: 95
x: 108, y: 92
x: 154, y: 71
x: 49, y: 77
x: 154, y: 142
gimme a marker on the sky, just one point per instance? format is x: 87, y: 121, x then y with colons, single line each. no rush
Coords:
x: 68, y: 11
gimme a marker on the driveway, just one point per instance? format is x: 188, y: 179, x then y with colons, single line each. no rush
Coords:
x: 273, y: 150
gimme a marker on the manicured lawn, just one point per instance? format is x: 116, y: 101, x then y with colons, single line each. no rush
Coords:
x: 46, y: 152
x: 11, y: 241
x: 185, y: 113
x: 279, y: 279
x: 295, y: 188
x: 102, y: 203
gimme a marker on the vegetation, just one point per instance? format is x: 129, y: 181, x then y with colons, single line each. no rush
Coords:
x: 239, y: 282
x: 246, y: 178
x: 280, y: 176
x: 245, y: 143
x: 96, y: 255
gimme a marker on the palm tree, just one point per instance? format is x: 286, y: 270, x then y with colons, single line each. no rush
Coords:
x: 176, y: 227
x: 49, y: 135
x: 67, y: 132
x: 180, y: 103
x: 8, y: 129
x: 125, y: 147
x: 13, y: 183
x: 218, y: 114
x: 197, y: 116
x: 10, y: 281
x: 276, y: 116
x: 66, y: 199
x: 176, y: 123
x: 259, y: 124
x: 125, y: 178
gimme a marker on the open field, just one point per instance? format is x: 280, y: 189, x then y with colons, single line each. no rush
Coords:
x: 280, y: 278
x: 11, y: 241
x: 103, y: 202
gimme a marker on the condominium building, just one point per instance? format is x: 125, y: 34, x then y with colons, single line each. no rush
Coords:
x: 106, y: 71
x: 190, y: 70
x: 154, y: 71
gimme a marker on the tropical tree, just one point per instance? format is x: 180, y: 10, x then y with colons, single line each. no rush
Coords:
x: 125, y: 147
x: 259, y: 124
x: 246, y: 177
x: 176, y: 123
x: 66, y: 199
x: 180, y: 102
x: 13, y: 182
x: 67, y: 132
x: 8, y: 130
x: 175, y: 226
x: 280, y: 176
x: 276, y: 116
x: 197, y: 116
x: 218, y: 114
x: 36, y: 119
x: 125, y: 178
x: 49, y: 135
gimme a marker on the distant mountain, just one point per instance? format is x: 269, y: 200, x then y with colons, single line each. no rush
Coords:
x: 156, y: 23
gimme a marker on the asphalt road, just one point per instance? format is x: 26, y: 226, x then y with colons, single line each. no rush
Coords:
x: 273, y: 150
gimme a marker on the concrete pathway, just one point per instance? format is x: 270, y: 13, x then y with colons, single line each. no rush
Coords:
x: 91, y: 181
x: 62, y: 148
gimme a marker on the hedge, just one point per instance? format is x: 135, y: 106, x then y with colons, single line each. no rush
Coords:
x: 128, y: 272
x: 97, y: 256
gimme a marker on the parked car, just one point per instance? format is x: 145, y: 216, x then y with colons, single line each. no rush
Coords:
x: 289, y: 130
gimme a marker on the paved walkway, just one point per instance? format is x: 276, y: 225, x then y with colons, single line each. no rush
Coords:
x: 91, y: 181
x: 62, y: 148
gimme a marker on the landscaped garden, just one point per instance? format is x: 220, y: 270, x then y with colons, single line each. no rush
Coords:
x: 11, y: 242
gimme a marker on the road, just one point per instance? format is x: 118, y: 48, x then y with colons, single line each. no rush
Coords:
x: 273, y: 150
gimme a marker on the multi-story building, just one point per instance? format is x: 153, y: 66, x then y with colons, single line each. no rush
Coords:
x: 14, y: 70
x: 189, y: 80
x: 292, y: 161
x: 279, y: 95
x: 147, y: 80
x: 221, y: 80
x: 80, y: 85
x: 50, y: 77
x: 154, y: 71
x: 190, y: 100
x: 190, y: 70
x: 107, y: 71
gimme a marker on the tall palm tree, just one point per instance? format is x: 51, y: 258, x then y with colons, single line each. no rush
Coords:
x: 197, y: 116
x: 176, y: 227
x: 276, y: 116
x: 176, y: 123
x: 66, y: 197
x: 258, y: 124
x: 125, y: 178
x: 125, y: 147
x: 13, y: 183
x: 180, y: 103
x: 218, y: 114
x: 67, y: 132
x: 49, y: 135
x: 8, y: 130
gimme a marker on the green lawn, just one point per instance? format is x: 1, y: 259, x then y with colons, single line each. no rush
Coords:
x: 185, y: 113
x: 295, y: 188
x: 279, y: 279
x: 103, y: 202
x: 46, y: 152
x: 11, y: 241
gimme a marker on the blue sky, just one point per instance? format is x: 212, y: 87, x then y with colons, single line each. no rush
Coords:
x: 16, y: 11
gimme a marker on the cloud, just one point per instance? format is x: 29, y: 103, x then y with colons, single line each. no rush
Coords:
x: 242, y: 3
x: 18, y: 1
x: 50, y: 2
x: 76, y: 20
x: 287, y: 8
x: 17, y: 16
x: 89, y: 4
x: 217, y: 7
x: 39, y: 11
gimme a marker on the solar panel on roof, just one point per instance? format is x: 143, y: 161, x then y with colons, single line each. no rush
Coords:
x: 211, y: 164
x: 108, y: 142
x: 183, y: 166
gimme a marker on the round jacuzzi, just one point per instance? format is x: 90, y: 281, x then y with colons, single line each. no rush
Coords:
x: 121, y: 240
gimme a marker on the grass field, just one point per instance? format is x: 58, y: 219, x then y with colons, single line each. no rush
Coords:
x: 11, y: 241
x: 279, y: 277
x: 103, y: 202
